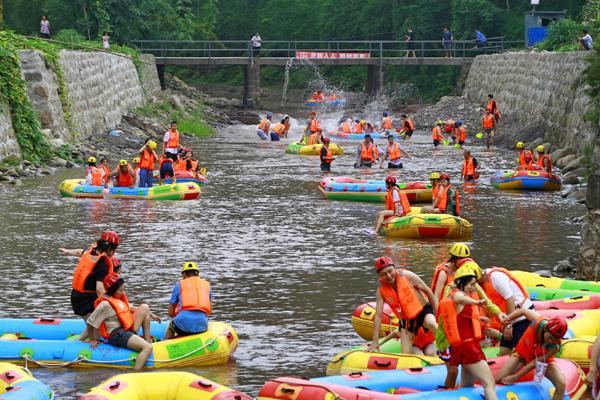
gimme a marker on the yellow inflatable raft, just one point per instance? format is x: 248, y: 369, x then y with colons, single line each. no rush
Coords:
x: 417, y: 225
x: 578, y: 350
x: 17, y: 383
x: 313, y: 149
x: 536, y: 280
x: 362, y: 320
x: 350, y: 361
x: 161, y: 386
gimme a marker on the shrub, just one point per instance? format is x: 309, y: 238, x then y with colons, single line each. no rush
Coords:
x: 562, y: 36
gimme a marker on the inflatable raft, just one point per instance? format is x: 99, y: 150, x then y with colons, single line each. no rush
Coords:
x: 570, y: 303
x: 161, y: 386
x: 77, y: 188
x: 361, y: 136
x: 578, y: 350
x: 54, y: 341
x: 327, y: 103
x: 185, y: 177
x: 552, y: 282
x: 346, y: 188
x: 17, y: 383
x: 350, y: 361
x: 364, y: 315
x: 312, y: 150
x: 544, y: 293
x: 416, y: 225
x: 525, y: 180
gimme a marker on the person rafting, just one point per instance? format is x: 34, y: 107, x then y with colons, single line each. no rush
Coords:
x: 525, y: 157
x: 410, y: 299
x: 434, y: 179
x: 171, y: 142
x: 459, y: 134
x: 190, y: 304
x: 544, y: 161
x: 135, y: 162
x: 436, y: 133
x: 286, y: 125
x: 396, y: 203
x: 448, y: 200
x: 470, y: 167
x: 278, y: 131
x: 119, y: 322
x: 393, y: 153
x: 489, y: 125
x: 408, y: 127
x: 326, y: 155
x: 187, y: 163
x: 147, y: 159
x: 461, y: 322
x: 346, y: 126
x: 93, y: 175
x: 105, y: 169
x: 536, y: 350
x: 262, y: 130
x: 123, y: 175
x: 315, y: 138
x: 167, y: 169
x: 359, y: 125
x: 386, y: 123
x: 313, y: 125
x: 365, y: 153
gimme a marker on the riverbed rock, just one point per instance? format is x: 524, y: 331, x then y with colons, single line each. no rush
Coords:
x: 176, y: 102
x: 560, y: 153
x: 568, y: 178
x: 27, y: 163
x: 536, y: 142
x: 45, y: 171
x: 547, y: 147
x: 17, y: 182
x: 12, y: 172
x: 573, y: 164
x: 562, y: 162
x: 577, y: 196
x: 59, y: 162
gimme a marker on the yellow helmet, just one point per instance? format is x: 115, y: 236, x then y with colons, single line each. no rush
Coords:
x: 91, y: 159
x: 520, y: 145
x: 460, y: 250
x: 362, y: 122
x: 136, y: 160
x: 152, y: 145
x: 434, y: 175
x: 189, y: 266
x: 473, y: 266
x: 122, y: 162
x: 540, y: 149
x: 464, y: 271
x: 439, y: 122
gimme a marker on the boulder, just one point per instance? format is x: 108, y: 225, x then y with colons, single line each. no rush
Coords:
x: 562, y: 162
x: 17, y: 182
x: 176, y: 102
x: 572, y: 179
x: 12, y: 172
x: 576, y: 173
x: 547, y: 147
x: 577, y: 196
x: 45, y: 171
x: 5, y: 178
x: 534, y: 144
x: 573, y: 164
x: 59, y: 162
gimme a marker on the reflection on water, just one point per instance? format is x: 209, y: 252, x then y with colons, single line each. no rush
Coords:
x: 287, y: 267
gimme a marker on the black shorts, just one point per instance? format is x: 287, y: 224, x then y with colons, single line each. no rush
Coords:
x: 392, y: 166
x: 366, y: 164
x: 166, y: 170
x: 461, y: 142
x: 172, y: 156
x: 519, y: 329
x: 82, y: 303
x: 436, y: 143
x: 410, y: 46
x: 325, y: 166
x: 408, y: 133
x: 413, y: 325
x: 119, y: 337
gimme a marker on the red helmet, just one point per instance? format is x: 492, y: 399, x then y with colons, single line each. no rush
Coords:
x: 326, y: 140
x: 557, y: 327
x: 313, y: 113
x: 110, y: 280
x: 382, y: 262
x: 444, y: 175
x: 111, y: 237
x: 390, y: 179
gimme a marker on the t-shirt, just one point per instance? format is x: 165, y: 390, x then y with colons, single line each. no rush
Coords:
x: 447, y: 36
x: 172, y: 150
x: 507, y: 289
x: 45, y: 26
x: 255, y: 41
x: 480, y: 37
x: 588, y: 41
x: 104, y: 313
x: 105, y: 44
x: 190, y: 321
x: 411, y: 36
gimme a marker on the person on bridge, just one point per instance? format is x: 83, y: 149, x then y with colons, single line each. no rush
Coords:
x: 326, y: 156
x: 436, y: 133
x: 544, y: 160
x: 447, y: 40
x: 408, y: 127
x: 470, y: 167
x: 396, y: 203
x: 171, y: 143
x: 147, y: 159
x: 393, y: 153
x: 489, y: 125
x: 386, y: 123
x: 525, y: 157
x: 459, y: 134
x: 123, y: 174
x: 410, y: 44
x: 190, y: 304
x: 365, y: 153
x: 262, y: 130
x: 480, y: 40
x: 256, y: 44
x: 410, y: 299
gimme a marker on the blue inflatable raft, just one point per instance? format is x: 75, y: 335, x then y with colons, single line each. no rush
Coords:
x: 327, y: 103
x: 525, y: 180
x: 361, y: 136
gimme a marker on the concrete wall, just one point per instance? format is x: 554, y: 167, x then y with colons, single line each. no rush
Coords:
x: 543, y: 88
x: 8, y: 141
x: 148, y: 75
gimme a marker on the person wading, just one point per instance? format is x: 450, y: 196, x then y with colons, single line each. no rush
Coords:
x: 393, y: 153
x: 326, y: 156
x: 365, y: 154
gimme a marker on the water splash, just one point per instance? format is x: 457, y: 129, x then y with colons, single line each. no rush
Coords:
x: 318, y: 83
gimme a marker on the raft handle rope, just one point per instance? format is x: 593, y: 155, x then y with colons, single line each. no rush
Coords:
x: 77, y: 360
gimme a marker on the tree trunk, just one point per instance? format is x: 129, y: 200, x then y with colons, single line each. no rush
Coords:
x: 508, y: 5
x: 85, y: 15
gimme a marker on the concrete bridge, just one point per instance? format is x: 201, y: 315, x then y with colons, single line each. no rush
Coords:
x: 375, y: 55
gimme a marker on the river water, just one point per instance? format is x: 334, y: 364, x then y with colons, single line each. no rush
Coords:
x: 286, y: 266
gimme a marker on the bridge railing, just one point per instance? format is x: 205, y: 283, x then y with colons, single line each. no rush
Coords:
x: 287, y: 49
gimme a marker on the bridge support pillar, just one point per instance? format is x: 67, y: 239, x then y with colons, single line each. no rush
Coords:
x: 375, y: 79
x: 160, y: 68
x: 252, y: 83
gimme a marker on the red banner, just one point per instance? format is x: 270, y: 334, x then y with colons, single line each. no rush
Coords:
x: 330, y: 54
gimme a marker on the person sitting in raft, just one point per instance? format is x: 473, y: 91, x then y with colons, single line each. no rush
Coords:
x: 386, y: 123
x: 461, y: 322
x: 536, y: 349
x: 278, y: 131
x: 187, y: 162
x: 592, y: 379
x: 94, y: 265
x: 167, y: 169
x: 346, y: 126
x: 393, y: 153
x: 436, y: 133
x: 286, y: 125
x: 326, y: 156
x: 371, y: 128
x: 408, y: 127
x: 544, y: 160
x: 315, y: 138
x: 365, y: 153
x: 190, y: 304
x: 119, y: 322
x: 459, y: 133
x: 332, y: 97
x: 105, y: 168
x: 396, y: 203
x: 313, y: 126
x: 123, y: 175
x: 489, y: 125
x: 470, y: 167
x: 448, y: 199
x: 410, y: 299
x: 262, y: 130
x: 93, y: 175
x: 525, y: 157
x: 136, y: 170
x: 147, y: 158
x: 358, y: 125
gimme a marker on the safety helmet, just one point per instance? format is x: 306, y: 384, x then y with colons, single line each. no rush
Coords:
x: 458, y: 122
x: 385, y: 114
x: 390, y: 179
x: 269, y: 115
x: 326, y: 140
x: 362, y: 121
x: 110, y: 280
x: 136, y: 160
x: 473, y: 266
x: 439, y: 122
x: 189, y: 266
x: 111, y: 237
x: 460, y: 250
x: 91, y: 159
x: 464, y: 271
x: 382, y: 262
x: 520, y: 145
x: 444, y: 175
x: 540, y: 149
x: 557, y: 327
x: 152, y: 145
x: 122, y: 162
x: 313, y: 113
x: 434, y: 175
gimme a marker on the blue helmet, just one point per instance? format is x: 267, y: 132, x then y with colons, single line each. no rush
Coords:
x: 385, y: 114
x: 269, y: 115
x: 458, y: 122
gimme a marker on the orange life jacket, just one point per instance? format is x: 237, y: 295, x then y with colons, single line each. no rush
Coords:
x: 449, y: 278
x: 447, y: 311
x: 488, y: 121
x: 195, y: 294
x: 376, y: 151
x: 312, y: 139
x: 173, y: 142
x: 314, y: 125
x: 96, y: 176
x: 443, y: 202
x: 528, y: 347
x: 147, y: 159
x: 279, y: 129
x: 402, y: 297
x: 286, y: 126
x: 394, y: 152
x: 122, y: 309
x: 391, y: 205
x: 423, y: 339
x: 434, y: 190
x: 461, y: 134
x: 106, y: 171
x: 468, y: 168
x: 124, y: 179
x: 358, y: 128
x: 493, y: 295
x: 366, y: 153
x: 525, y: 159
x: 181, y: 165
x: 408, y: 125
x: 264, y: 125
x: 541, y: 159
x: 328, y: 155
x: 346, y: 128
x: 491, y: 106
x: 436, y: 133
x: 386, y: 123
x: 85, y: 267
